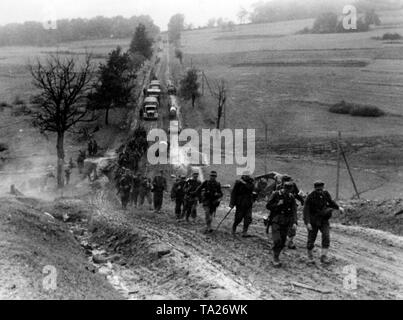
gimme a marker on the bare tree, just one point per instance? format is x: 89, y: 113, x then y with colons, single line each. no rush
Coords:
x: 220, y: 93
x: 63, y: 84
x: 242, y: 15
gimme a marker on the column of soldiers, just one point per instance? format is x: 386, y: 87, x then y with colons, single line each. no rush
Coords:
x: 282, y: 204
x: 136, y: 190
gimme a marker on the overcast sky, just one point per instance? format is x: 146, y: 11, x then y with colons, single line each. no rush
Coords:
x: 196, y: 11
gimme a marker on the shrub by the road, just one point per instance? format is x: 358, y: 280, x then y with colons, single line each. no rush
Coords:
x: 356, y: 110
x: 392, y: 36
x: 366, y: 111
x: 341, y: 108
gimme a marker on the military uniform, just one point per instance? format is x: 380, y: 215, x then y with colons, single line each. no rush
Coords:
x: 317, y: 213
x: 159, y: 186
x: 242, y: 197
x: 283, y: 207
x: 210, y: 194
x: 145, y: 191
x: 292, y: 232
x: 191, y: 198
x: 125, y: 185
x: 135, y: 190
x: 178, y: 195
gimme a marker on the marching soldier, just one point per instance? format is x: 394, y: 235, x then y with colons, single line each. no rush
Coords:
x: 191, y: 197
x: 318, y: 210
x: 283, y: 208
x: 125, y: 186
x: 298, y: 196
x: 242, y: 197
x: 145, y: 192
x: 210, y: 194
x: 136, y: 190
x: 178, y: 195
x: 159, y: 186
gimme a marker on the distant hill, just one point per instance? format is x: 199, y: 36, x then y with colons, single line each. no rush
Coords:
x: 282, y: 10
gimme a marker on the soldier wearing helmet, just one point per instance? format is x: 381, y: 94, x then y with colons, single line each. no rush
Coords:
x: 243, y: 196
x: 191, y: 196
x: 318, y: 210
x: 283, y: 208
x: 210, y: 195
x: 298, y: 195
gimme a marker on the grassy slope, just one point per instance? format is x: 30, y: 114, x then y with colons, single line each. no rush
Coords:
x: 294, y: 98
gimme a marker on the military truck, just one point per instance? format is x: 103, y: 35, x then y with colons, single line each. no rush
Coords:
x: 150, y: 110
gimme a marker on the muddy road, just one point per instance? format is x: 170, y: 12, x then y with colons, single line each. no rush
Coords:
x: 220, y: 266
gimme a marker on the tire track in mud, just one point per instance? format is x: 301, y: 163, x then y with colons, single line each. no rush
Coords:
x: 219, y: 266
x: 187, y: 262
x: 246, y: 264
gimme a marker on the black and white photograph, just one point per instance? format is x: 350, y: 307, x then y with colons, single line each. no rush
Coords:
x: 201, y: 155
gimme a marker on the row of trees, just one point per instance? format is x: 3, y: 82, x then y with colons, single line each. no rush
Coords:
x: 283, y: 10
x: 330, y: 22
x: 39, y: 34
x: 70, y: 89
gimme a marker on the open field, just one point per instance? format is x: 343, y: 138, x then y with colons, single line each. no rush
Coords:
x: 289, y: 81
x: 30, y: 153
x: 145, y: 255
x: 14, y: 77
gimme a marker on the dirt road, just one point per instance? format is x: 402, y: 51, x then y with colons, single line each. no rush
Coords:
x: 220, y: 266
x: 174, y: 260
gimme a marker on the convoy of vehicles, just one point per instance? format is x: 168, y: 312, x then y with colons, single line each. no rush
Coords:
x: 151, y: 106
x: 171, y: 89
x: 150, y: 110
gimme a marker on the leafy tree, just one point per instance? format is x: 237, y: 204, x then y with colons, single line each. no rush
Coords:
x: 115, y: 83
x: 175, y: 26
x: 189, y: 86
x: 63, y: 85
x: 371, y: 18
x: 326, y: 23
x: 220, y: 22
x: 211, y: 23
x: 136, y: 61
x: 242, y: 15
x: 141, y: 43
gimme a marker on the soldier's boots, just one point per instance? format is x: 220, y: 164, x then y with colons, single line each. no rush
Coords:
x: 310, y: 257
x: 245, y: 233
x: 276, y: 262
x: 324, y: 257
x: 208, y: 230
x: 291, y: 244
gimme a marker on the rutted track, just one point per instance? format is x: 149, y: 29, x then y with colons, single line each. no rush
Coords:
x: 243, y: 266
x: 221, y: 266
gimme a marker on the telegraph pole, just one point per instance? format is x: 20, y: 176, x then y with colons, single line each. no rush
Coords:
x: 266, y: 145
x: 338, y: 166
